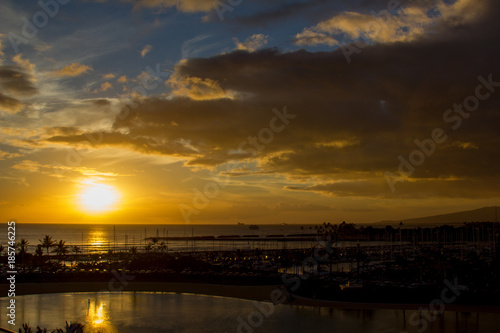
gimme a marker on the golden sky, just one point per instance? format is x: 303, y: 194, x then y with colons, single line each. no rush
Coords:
x: 303, y: 111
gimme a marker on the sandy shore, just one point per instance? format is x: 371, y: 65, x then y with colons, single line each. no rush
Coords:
x: 257, y: 293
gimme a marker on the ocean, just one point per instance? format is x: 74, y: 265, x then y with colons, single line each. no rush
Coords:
x: 102, y: 237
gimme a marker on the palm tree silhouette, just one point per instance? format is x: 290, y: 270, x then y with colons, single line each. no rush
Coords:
x: 163, y: 247
x: 47, y: 243
x: 61, y: 249
x: 72, y: 327
x: 76, y: 249
x: 23, y: 249
x: 22, y: 246
x: 39, y: 254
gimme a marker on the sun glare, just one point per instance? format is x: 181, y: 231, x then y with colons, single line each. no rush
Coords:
x: 98, y: 197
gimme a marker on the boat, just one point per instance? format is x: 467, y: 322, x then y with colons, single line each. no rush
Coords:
x: 239, y: 223
x: 253, y: 227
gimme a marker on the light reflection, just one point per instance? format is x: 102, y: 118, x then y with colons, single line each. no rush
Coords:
x: 96, y: 238
x: 96, y: 315
x: 97, y: 318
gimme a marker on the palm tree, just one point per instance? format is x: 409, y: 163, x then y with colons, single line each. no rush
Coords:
x: 133, y: 250
x: 39, y: 254
x: 70, y: 328
x: 39, y: 250
x: 47, y: 243
x: 76, y: 249
x: 61, y: 249
x: 22, y: 246
x: 163, y: 247
x: 23, y: 249
x: 74, y: 327
x: 1, y: 249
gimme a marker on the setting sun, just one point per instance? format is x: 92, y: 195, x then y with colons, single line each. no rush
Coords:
x: 98, y: 198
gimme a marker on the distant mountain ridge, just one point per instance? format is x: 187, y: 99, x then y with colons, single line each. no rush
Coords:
x: 485, y: 214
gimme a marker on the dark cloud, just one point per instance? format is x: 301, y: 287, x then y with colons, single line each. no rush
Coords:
x: 63, y: 130
x: 276, y: 11
x: 14, y: 81
x: 352, y: 120
x: 301, y: 207
x: 482, y: 187
x: 101, y: 102
x: 9, y: 104
x: 309, y: 10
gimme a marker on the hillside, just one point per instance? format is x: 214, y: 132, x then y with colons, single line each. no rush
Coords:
x: 485, y: 214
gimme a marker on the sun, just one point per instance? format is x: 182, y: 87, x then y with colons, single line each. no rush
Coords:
x: 98, y: 198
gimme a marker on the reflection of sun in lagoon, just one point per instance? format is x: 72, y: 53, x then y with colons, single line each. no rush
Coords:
x: 97, y: 318
x: 97, y: 315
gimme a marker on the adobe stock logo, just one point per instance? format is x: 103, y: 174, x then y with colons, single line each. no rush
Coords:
x: 225, y: 5
x: 39, y: 20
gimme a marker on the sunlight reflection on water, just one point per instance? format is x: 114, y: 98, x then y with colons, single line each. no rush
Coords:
x: 132, y: 312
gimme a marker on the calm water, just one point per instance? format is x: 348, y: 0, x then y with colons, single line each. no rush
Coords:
x: 122, y: 236
x: 102, y: 237
x: 129, y: 312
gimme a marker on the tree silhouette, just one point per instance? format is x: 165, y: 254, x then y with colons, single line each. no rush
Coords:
x: 61, y: 249
x: 75, y: 249
x: 23, y: 249
x: 47, y: 243
x: 163, y: 247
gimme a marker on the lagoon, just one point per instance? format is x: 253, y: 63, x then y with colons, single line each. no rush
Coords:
x: 132, y: 312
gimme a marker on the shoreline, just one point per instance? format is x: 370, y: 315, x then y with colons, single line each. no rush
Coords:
x: 252, y: 293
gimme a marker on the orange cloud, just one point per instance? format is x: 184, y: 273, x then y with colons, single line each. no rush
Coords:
x: 105, y: 86
x: 123, y: 79
x: 145, y: 50
x: 72, y: 70
x: 25, y: 63
x: 252, y: 43
x: 404, y: 24
x: 198, y: 88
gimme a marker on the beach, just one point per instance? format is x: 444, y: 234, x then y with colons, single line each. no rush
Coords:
x: 257, y: 293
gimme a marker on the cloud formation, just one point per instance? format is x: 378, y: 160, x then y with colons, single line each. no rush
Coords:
x: 75, y: 69
x: 105, y: 86
x: 145, y: 50
x: 15, y: 82
x: 397, y: 23
x: 252, y: 43
x: 352, y: 120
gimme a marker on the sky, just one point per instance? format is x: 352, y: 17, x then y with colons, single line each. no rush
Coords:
x: 250, y: 111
